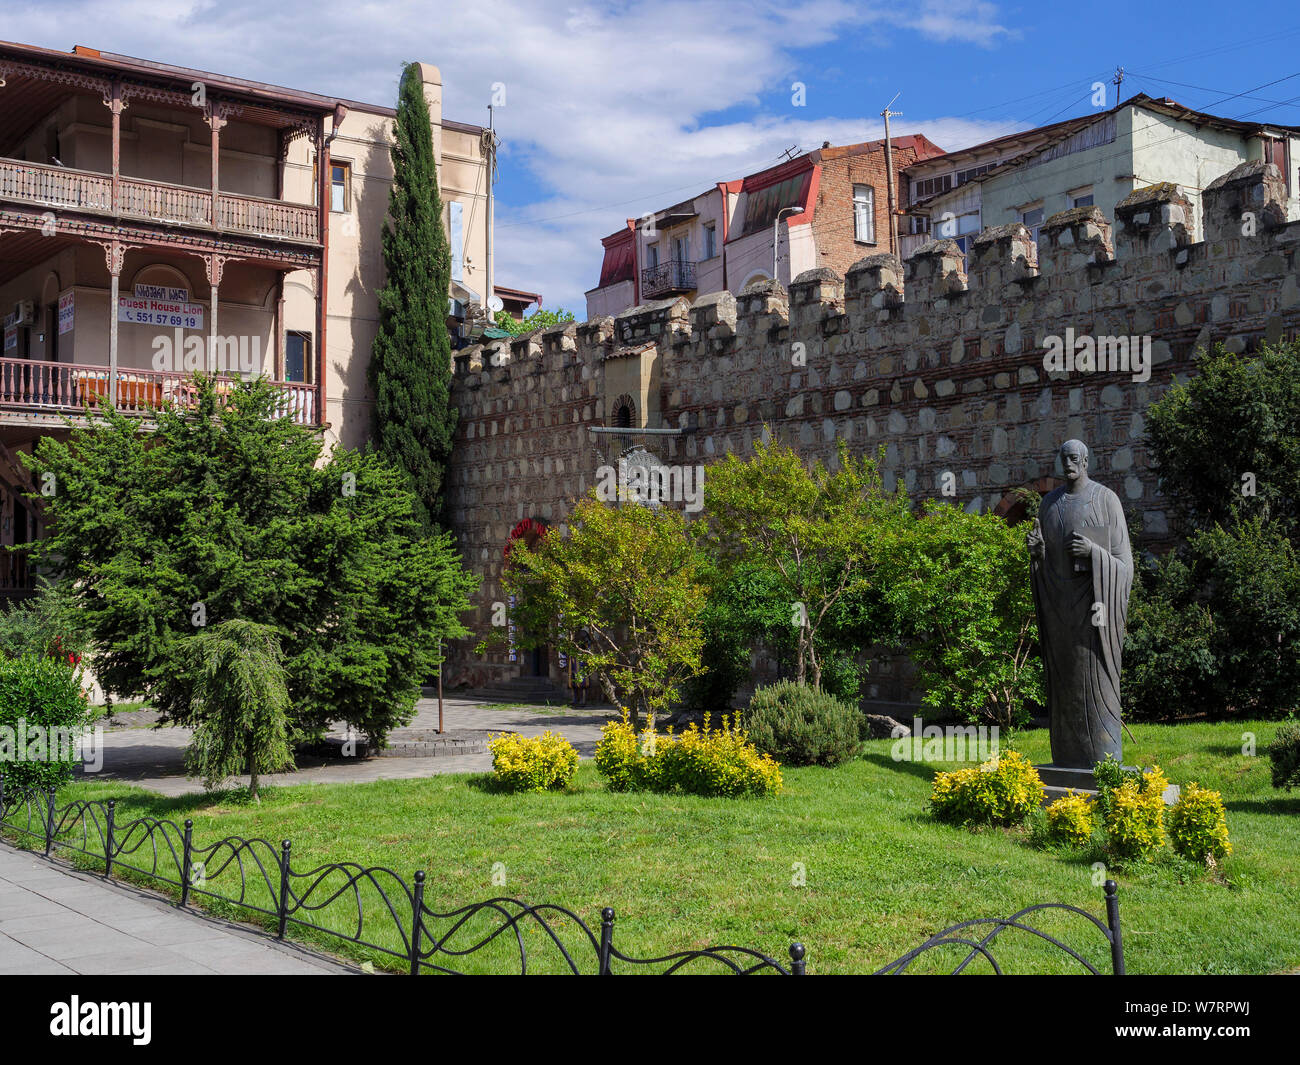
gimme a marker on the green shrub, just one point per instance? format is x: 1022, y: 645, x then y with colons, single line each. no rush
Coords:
x: 1070, y: 820
x: 1198, y: 825
x: 1134, y: 816
x: 42, y: 624
x: 1284, y: 752
x: 38, y: 692
x: 800, y: 725
x: 710, y: 762
x: 540, y: 763
x: 1002, y: 791
x: 1109, y: 775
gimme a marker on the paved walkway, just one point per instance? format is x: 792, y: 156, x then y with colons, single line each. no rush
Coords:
x: 155, y: 758
x: 56, y: 921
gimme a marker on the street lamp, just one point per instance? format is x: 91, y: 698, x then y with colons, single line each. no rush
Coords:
x: 776, y: 234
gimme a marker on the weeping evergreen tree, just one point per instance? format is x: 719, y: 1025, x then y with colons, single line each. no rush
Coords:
x: 241, y: 701
x: 410, y: 365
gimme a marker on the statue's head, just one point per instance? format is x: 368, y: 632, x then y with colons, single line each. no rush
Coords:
x: 1074, y: 460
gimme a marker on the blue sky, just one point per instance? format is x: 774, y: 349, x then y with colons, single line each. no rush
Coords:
x: 613, y: 109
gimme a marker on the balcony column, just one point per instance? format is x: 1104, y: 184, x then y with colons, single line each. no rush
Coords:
x: 116, y: 105
x: 322, y: 272
x: 215, y: 266
x: 216, y: 119
x: 114, y: 253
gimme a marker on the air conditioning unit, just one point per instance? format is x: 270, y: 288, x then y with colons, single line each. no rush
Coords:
x: 24, y: 313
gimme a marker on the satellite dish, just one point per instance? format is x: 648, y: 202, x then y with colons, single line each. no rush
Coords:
x: 495, y: 304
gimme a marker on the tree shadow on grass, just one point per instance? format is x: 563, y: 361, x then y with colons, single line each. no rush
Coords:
x: 1285, y: 806
x: 917, y: 769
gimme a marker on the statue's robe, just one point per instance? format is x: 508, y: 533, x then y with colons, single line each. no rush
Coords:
x: 1082, y: 642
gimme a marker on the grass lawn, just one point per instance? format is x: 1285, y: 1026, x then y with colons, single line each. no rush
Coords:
x: 880, y: 874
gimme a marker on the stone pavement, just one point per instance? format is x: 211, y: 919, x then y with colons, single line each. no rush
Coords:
x: 155, y: 758
x: 54, y: 920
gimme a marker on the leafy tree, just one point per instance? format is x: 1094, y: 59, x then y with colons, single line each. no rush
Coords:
x: 959, y: 587
x: 1215, y: 626
x: 43, y: 712
x: 621, y: 592
x: 224, y: 514
x: 240, y: 700
x: 539, y: 319
x: 1227, y: 443
x: 811, y: 530
x: 42, y: 624
x: 410, y: 366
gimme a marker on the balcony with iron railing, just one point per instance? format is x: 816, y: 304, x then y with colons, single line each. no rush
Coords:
x: 29, y: 387
x: 60, y: 188
x: 671, y: 278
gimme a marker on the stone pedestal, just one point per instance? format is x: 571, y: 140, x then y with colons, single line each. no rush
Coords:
x: 1061, y: 780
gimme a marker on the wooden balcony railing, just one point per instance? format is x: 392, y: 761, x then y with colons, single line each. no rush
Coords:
x: 33, y: 387
x: 156, y: 201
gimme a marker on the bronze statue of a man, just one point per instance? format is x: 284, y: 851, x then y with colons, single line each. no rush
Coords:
x: 1081, y: 567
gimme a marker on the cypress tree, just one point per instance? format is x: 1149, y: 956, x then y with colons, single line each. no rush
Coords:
x: 410, y: 364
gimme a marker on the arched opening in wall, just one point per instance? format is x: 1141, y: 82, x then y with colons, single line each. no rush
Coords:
x: 1021, y: 504
x: 623, y: 412
x: 757, y: 275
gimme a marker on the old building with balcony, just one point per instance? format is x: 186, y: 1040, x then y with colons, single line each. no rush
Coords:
x: 826, y: 208
x: 149, y: 211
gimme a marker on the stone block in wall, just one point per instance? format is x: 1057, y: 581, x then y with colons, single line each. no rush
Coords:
x: 1153, y: 219
x: 1070, y: 240
x: 815, y: 295
x: 1002, y: 255
x: 759, y: 304
x: 935, y: 271
x: 874, y: 284
x: 711, y: 311
x: 1247, y: 200
x: 660, y: 319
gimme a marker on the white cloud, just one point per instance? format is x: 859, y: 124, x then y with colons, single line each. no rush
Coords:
x: 608, y: 103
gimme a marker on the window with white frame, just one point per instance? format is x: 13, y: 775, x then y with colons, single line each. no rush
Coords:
x: 864, y: 214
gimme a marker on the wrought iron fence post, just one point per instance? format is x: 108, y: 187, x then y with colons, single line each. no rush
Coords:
x: 417, y: 911
x: 606, y: 939
x: 111, y: 808
x: 49, y: 819
x: 284, y: 888
x: 1112, y: 922
x: 187, y: 861
x: 798, y: 967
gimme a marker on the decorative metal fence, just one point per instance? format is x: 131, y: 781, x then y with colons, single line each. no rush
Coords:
x: 368, y: 906
x: 965, y: 935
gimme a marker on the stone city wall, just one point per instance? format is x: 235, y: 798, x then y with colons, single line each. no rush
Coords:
x: 939, y: 362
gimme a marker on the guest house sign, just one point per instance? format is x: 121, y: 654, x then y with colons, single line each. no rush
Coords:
x: 160, y: 305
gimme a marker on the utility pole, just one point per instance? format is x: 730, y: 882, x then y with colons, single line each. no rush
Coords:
x: 889, y: 176
x: 1118, y: 81
x: 490, y: 150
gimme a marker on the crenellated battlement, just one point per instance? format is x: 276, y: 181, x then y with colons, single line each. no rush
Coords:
x: 941, y: 361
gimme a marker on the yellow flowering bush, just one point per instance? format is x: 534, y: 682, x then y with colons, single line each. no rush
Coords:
x: 710, y: 762
x: 540, y: 763
x: 1071, y: 820
x: 1001, y: 791
x: 1135, y: 814
x: 1198, y: 825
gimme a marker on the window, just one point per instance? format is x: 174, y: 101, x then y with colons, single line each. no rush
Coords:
x: 964, y: 176
x: 710, y: 241
x: 1081, y: 198
x: 297, y: 358
x: 652, y: 256
x: 864, y: 214
x: 681, y: 250
x: 340, y: 187
x: 1032, y: 217
x: 931, y: 186
x: 456, y: 238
